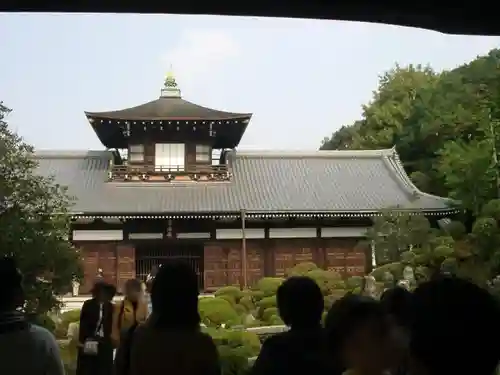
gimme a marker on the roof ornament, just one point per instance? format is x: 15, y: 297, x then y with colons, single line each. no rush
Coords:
x: 170, y: 88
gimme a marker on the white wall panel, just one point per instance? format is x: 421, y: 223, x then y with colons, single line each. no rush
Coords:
x: 333, y: 232
x: 98, y: 235
x: 292, y: 233
x: 231, y: 234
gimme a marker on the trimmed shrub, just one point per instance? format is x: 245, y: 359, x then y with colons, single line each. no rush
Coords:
x: 275, y: 320
x: 326, y: 280
x: 269, y: 285
x: 217, y: 311
x: 233, y: 291
x: 229, y: 298
x: 267, y: 302
x: 302, y: 269
x: 247, y: 303
x: 240, y: 309
x: 268, y: 313
x: 353, y: 282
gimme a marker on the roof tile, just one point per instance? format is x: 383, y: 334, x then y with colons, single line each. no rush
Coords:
x: 319, y: 181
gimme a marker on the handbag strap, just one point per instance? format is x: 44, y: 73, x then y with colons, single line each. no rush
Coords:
x: 100, y: 322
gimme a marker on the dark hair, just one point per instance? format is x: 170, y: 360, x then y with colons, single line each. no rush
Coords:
x: 110, y: 290
x: 174, y: 296
x: 398, y: 302
x: 345, y: 316
x: 300, y: 302
x: 455, y: 328
x: 11, y: 281
x: 99, y: 287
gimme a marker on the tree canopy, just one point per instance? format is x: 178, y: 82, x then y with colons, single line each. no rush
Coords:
x: 445, y: 126
x: 34, y: 223
x: 446, y: 129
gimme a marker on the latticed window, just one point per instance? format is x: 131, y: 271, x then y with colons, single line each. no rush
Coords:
x: 136, y: 153
x: 203, y: 153
x: 169, y: 157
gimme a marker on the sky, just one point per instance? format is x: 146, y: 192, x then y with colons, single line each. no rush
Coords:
x: 302, y: 79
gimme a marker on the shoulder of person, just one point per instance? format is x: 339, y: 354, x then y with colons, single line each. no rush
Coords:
x: 44, y: 337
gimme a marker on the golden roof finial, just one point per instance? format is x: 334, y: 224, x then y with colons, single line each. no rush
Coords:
x: 170, y: 85
x: 170, y: 73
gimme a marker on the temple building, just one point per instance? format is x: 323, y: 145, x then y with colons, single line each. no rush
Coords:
x: 172, y: 184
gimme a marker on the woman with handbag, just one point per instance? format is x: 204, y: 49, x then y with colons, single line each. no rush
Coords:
x: 95, y: 354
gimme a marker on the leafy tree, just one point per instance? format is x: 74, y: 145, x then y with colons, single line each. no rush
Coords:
x: 402, y: 239
x: 446, y: 128
x: 34, y: 223
x: 423, y: 114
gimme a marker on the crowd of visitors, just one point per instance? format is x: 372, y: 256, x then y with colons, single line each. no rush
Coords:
x: 446, y: 326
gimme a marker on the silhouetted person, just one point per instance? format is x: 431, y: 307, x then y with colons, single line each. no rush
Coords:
x: 302, y: 349
x: 398, y: 304
x: 130, y: 311
x: 455, y: 329
x: 358, y: 336
x: 95, y: 353
x: 171, y: 342
x: 25, y: 349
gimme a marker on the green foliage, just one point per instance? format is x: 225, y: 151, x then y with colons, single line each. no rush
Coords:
x: 71, y: 316
x: 229, y: 290
x: 302, y: 269
x: 34, y: 224
x: 269, y: 285
x: 217, y: 311
x: 247, y: 303
x: 235, y: 348
x: 269, y: 313
x: 267, y: 302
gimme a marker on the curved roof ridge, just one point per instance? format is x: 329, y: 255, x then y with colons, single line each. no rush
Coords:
x: 396, y: 165
x: 156, y: 105
x: 70, y: 154
x: 313, y: 153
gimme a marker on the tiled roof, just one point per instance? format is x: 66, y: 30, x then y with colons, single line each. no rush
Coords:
x: 167, y: 108
x: 318, y: 181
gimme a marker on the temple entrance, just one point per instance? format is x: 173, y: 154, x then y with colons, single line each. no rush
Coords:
x: 155, y: 254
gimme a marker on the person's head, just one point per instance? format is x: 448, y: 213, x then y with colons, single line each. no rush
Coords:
x: 11, y: 290
x: 358, y: 334
x: 455, y: 328
x: 133, y: 290
x: 397, y: 302
x: 110, y: 291
x: 174, y: 296
x: 300, y: 302
x: 100, y: 291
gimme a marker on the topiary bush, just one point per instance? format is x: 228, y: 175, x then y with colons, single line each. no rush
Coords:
x: 302, y: 269
x: 247, y: 303
x: 235, y: 348
x: 328, y: 281
x: 217, y: 311
x: 269, y: 285
x: 231, y: 290
x: 268, y: 314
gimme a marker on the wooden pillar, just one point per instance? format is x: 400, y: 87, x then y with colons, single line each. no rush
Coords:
x: 268, y: 249
x: 244, y: 268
